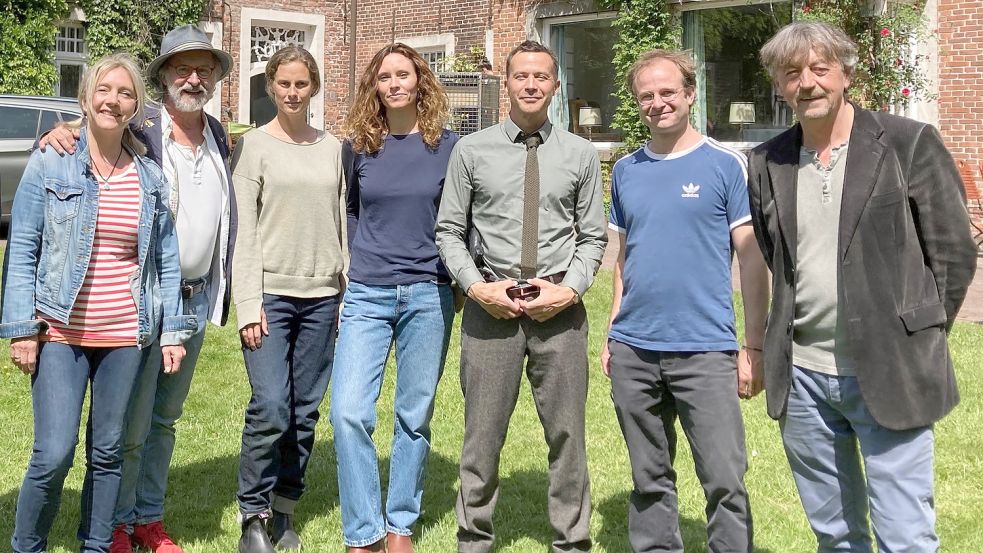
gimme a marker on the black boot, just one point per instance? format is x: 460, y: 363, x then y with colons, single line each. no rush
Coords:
x: 282, y: 532
x: 254, y: 537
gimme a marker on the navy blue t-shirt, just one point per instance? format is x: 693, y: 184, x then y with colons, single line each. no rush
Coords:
x: 393, y: 197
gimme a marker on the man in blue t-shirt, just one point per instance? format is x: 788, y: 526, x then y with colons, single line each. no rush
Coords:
x: 679, y: 203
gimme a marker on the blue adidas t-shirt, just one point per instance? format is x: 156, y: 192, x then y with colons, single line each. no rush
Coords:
x: 676, y: 212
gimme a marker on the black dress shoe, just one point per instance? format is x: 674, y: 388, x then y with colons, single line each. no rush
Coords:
x: 254, y: 537
x: 282, y: 532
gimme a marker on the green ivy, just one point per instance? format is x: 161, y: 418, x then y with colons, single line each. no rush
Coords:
x: 885, y: 75
x: 27, y: 38
x: 642, y: 25
x: 135, y: 26
x: 27, y: 34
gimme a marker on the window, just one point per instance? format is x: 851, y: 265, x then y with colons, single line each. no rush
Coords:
x: 584, y: 47
x: 435, y: 49
x: 70, y: 58
x: 264, y: 32
x: 18, y: 123
x: 434, y: 58
x: 730, y: 79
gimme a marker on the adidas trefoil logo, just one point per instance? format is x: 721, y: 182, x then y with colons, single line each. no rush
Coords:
x: 691, y: 190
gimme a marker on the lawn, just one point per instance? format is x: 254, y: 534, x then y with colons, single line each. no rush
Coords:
x: 201, y: 508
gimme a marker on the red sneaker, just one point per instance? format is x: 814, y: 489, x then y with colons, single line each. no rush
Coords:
x: 153, y: 537
x: 121, y: 541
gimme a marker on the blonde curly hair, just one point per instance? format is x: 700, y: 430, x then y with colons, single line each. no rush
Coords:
x: 366, y: 123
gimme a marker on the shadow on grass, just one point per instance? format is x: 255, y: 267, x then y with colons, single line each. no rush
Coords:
x: 613, y: 534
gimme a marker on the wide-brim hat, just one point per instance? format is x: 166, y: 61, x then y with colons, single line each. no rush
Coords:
x: 188, y: 38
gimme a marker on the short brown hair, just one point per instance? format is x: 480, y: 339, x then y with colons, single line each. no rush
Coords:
x: 680, y: 58
x: 290, y: 54
x: 531, y: 47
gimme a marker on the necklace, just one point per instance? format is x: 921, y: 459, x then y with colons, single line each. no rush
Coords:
x: 105, y: 180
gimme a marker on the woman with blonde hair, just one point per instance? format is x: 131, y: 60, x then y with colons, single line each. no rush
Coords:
x: 92, y: 279
x: 399, y: 292
x: 287, y: 277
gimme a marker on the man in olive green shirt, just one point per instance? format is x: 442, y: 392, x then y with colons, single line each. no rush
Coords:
x: 487, y: 179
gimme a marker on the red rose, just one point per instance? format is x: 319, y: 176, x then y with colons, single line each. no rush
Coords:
x: 906, y: 92
x: 885, y: 31
x: 806, y: 8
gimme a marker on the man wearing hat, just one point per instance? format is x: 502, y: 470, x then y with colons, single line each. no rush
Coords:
x: 192, y: 149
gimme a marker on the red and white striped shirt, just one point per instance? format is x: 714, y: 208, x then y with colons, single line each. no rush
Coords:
x: 105, y: 313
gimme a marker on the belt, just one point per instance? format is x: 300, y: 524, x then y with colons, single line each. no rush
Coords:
x: 189, y: 288
x: 555, y: 278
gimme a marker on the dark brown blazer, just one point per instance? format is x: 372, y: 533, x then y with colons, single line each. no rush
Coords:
x: 906, y: 259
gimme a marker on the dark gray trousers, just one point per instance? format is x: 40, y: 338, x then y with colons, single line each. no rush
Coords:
x: 650, y: 390
x: 492, y: 353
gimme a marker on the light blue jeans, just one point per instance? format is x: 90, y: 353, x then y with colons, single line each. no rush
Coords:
x: 64, y: 373
x: 826, y: 421
x: 156, y: 405
x: 418, y: 317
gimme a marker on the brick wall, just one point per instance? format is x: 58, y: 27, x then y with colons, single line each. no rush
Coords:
x: 336, y: 51
x: 379, y: 21
x: 961, y: 77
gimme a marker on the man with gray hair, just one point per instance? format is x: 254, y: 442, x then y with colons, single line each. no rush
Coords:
x: 192, y: 149
x: 862, y: 220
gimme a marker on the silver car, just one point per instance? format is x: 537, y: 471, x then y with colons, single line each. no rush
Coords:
x: 22, y: 119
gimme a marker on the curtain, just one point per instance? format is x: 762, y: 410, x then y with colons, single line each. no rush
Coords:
x: 693, y: 41
x: 559, y: 108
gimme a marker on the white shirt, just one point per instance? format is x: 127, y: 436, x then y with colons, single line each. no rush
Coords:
x: 199, y: 195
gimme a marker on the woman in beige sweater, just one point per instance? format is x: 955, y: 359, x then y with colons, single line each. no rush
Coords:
x: 287, y: 276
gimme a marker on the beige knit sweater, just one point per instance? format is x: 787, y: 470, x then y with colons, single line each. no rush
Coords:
x: 291, y: 239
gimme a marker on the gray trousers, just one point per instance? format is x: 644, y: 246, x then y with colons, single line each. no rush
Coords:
x: 650, y: 390
x: 492, y: 353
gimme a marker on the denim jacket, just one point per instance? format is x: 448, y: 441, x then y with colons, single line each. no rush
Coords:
x: 52, y: 228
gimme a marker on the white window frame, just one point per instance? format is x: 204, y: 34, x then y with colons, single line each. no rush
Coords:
x: 546, y: 25
x: 69, y: 58
x: 311, y: 24
x: 445, y: 42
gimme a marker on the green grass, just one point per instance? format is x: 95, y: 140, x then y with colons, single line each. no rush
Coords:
x: 201, y: 508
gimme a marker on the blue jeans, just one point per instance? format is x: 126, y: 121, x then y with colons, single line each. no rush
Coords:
x: 289, y: 375
x: 156, y: 404
x: 57, y: 391
x: 419, y: 316
x: 825, y: 422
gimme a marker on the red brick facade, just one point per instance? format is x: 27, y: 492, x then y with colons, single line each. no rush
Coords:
x: 961, y: 77
x: 960, y: 31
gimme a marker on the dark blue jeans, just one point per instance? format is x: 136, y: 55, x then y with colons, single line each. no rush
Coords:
x: 58, y: 388
x: 289, y: 375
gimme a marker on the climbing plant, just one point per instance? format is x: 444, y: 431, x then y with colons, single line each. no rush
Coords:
x: 27, y: 34
x: 642, y: 25
x: 135, y: 26
x: 887, y: 73
x: 27, y: 38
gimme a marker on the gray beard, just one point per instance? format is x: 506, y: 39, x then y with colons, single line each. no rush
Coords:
x: 186, y: 103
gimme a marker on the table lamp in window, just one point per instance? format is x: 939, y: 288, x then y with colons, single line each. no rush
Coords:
x: 589, y: 118
x: 741, y: 114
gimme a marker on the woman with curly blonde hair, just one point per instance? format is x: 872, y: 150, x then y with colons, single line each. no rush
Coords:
x: 399, y: 292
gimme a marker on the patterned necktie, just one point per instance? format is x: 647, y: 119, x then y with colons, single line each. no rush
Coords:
x: 530, y: 210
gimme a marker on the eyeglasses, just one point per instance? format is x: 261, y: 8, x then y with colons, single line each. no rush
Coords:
x: 203, y: 71
x: 667, y: 95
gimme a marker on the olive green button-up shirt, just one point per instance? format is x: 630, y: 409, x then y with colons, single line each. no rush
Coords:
x: 486, y: 178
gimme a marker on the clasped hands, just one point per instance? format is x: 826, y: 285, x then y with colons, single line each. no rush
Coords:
x: 552, y: 299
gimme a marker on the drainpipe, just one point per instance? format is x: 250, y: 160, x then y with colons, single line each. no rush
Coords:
x: 352, y: 37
